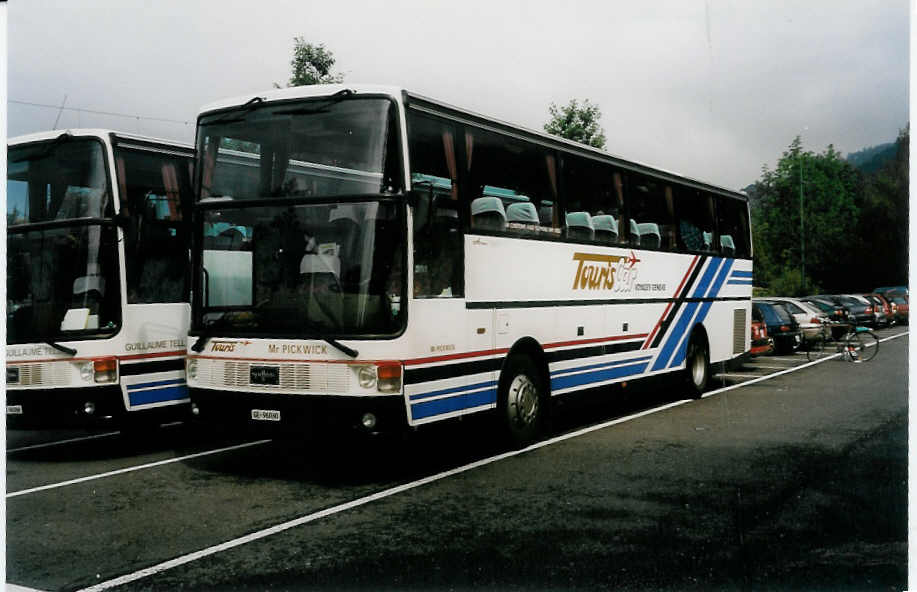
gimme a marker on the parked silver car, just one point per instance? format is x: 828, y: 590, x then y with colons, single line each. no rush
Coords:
x: 810, y: 318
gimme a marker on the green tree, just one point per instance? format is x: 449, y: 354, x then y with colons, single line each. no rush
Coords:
x: 576, y: 122
x: 311, y: 64
x: 820, y: 195
x: 884, y: 220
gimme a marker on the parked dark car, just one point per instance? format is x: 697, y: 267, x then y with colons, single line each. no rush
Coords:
x: 856, y: 311
x: 887, y: 290
x: 781, y: 326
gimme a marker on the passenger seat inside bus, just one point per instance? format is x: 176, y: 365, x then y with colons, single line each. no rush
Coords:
x: 649, y: 235
x: 727, y: 244
x: 579, y: 226
x: 606, y: 228
x: 525, y: 215
x: 487, y: 213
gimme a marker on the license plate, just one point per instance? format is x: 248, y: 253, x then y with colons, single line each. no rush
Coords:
x: 12, y: 375
x: 14, y: 409
x: 265, y: 415
x: 269, y: 375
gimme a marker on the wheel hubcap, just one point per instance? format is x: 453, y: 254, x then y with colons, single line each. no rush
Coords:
x: 697, y: 366
x: 522, y: 402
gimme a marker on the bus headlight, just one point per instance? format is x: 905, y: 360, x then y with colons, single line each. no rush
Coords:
x: 86, y: 371
x: 191, y: 368
x: 105, y: 369
x: 367, y: 376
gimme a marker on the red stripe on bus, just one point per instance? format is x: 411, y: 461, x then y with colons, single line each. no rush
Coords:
x: 667, y: 308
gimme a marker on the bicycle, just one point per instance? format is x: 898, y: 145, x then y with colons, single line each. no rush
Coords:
x: 857, y: 344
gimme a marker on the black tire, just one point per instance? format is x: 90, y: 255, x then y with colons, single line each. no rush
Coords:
x: 521, y: 401
x: 863, y: 346
x: 697, y: 365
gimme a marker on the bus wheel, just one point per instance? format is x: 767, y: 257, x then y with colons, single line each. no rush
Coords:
x: 521, y: 400
x: 697, y: 364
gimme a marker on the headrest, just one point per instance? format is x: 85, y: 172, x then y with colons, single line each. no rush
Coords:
x: 605, y: 222
x: 484, y: 205
x: 580, y: 220
x: 522, y: 212
x: 315, y: 263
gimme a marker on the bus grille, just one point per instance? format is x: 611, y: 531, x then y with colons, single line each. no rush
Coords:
x: 739, y: 331
x: 294, y: 376
x: 43, y: 373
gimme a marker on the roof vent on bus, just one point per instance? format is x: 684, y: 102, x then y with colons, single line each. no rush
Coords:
x: 522, y: 212
x: 606, y: 228
x: 487, y: 213
x: 649, y: 235
x: 579, y: 225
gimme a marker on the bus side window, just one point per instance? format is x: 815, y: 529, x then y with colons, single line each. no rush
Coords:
x: 156, y: 246
x: 594, y: 200
x: 696, y: 220
x: 438, y: 243
x: 732, y: 221
x: 650, y: 206
x: 513, y: 185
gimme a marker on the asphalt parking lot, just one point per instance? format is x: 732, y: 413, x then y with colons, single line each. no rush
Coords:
x: 785, y: 475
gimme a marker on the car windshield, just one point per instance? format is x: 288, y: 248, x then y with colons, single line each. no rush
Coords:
x: 338, y: 145
x: 61, y: 283
x: 318, y: 269
x: 57, y: 180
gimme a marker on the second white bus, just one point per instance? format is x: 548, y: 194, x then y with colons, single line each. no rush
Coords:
x: 97, y: 278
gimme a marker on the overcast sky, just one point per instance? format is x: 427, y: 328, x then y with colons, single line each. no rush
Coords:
x: 711, y: 89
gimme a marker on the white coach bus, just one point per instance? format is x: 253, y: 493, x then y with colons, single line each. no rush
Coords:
x: 369, y: 255
x: 97, y: 278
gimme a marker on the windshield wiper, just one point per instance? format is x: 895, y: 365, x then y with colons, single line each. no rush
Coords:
x: 63, y: 348
x: 322, y: 105
x: 313, y: 326
x: 45, y: 149
x: 234, y: 116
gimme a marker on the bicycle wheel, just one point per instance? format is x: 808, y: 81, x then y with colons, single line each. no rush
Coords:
x: 815, y: 350
x: 863, y: 346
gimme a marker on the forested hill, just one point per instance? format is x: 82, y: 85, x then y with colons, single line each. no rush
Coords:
x: 870, y: 160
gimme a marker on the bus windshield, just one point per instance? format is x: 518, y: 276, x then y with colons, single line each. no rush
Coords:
x: 317, y: 270
x: 62, y: 283
x: 62, y: 277
x: 308, y: 148
x: 57, y: 180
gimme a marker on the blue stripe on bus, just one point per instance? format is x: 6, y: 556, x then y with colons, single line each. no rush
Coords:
x: 457, y: 389
x: 131, y: 387
x: 158, y: 395
x: 739, y: 282
x: 682, y: 351
x: 743, y: 274
x: 602, y: 365
x: 440, y: 406
x: 598, y: 376
x: 687, y: 315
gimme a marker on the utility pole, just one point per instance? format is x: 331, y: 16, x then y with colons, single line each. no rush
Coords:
x: 802, y: 224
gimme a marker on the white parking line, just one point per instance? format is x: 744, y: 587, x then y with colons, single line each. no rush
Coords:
x: 763, y: 367
x: 254, y: 536
x: 16, y: 588
x: 59, y: 442
x: 733, y: 375
x: 132, y: 469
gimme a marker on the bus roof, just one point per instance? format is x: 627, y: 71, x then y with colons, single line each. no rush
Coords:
x: 94, y: 133
x: 403, y: 95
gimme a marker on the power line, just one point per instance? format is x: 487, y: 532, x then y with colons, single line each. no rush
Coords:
x: 95, y: 112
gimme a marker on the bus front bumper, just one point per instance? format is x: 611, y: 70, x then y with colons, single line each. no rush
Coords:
x: 63, y: 407
x: 299, y: 414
